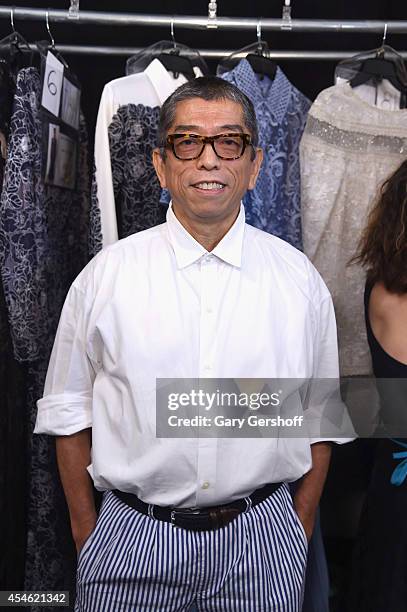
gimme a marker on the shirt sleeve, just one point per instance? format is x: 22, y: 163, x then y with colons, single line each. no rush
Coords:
x: 66, y: 406
x: 326, y: 414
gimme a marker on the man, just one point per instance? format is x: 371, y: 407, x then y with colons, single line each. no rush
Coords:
x: 201, y: 296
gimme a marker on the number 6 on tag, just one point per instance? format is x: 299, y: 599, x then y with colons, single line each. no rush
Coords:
x: 52, y: 88
x: 51, y: 91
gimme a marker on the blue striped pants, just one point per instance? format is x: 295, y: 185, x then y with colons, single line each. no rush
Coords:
x: 132, y: 562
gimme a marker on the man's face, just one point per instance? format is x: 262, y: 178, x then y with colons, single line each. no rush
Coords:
x: 188, y: 180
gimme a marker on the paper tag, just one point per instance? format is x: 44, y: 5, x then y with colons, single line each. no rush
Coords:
x: 52, y: 87
x: 65, y: 174
x: 71, y: 98
x: 61, y: 159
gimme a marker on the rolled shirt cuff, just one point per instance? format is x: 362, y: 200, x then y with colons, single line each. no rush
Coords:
x: 63, y: 414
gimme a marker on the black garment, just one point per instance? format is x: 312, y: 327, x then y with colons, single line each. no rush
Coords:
x: 132, y: 138
x: 384, y: 365
x: 7, y: 90
x: 13, y: 469
x: 380, y: 562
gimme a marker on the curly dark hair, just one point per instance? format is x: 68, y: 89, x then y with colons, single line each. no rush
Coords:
x: 383, y: 245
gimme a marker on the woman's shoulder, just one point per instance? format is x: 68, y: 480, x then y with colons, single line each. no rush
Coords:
x: 388, y: 319
x: 387, y: 304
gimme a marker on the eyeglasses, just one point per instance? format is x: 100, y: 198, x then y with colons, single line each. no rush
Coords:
x: 191, y: 146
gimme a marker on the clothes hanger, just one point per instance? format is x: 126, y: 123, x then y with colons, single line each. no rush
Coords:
x: 15, y: 50
x: 259, y: 61
x: 174, y: 62
x: 161, y: 50
x: 15, y: 38
x: 14, y: 42
x: 382, y: 66
x: 177, y: 64
x: 257, y: 56
x: 44, y: 46
x: 375, y: 70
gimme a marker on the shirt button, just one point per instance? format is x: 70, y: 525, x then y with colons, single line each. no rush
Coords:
x: 209, y: 310
x: 208, y: 367
x: 205, y: 485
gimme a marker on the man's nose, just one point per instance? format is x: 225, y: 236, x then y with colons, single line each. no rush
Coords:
x: 208, y: 158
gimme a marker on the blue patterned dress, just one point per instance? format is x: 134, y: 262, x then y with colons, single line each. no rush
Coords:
x: 274, y: 204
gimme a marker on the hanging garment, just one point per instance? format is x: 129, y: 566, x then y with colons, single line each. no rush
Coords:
x: 384, y: 95
x: 281, y: 110
x: 348, y: 149
x: 12, y: 406
x: 13, y: 473
x: 126, y: 133
x: 376, y: 90
x: 7, y: 89
x: 380, y: 559
x: 43, y: 247
x: 132, y: 138
x: 41, y: 229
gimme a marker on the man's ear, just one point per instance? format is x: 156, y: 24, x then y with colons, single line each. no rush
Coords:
x: 256, y: 165
x: 159, y: 165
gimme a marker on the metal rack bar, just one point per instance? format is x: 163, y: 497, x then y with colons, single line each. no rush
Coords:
x: 197, y: 22
x: 211, y: 53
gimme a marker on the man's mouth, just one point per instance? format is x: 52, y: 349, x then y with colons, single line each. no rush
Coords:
x: 209, y: 186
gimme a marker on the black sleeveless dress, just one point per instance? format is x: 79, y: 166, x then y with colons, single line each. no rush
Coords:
x: 379, y: 577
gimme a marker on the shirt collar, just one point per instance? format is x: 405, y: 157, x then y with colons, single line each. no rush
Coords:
x: 188, y: 250
x: 275, y: 94
x: 162, y: 81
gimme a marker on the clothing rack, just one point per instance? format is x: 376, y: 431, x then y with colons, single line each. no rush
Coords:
x: 212, y: 53
x: 197, y: 22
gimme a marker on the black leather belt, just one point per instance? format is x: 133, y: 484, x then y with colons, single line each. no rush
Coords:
x: 199, y: 519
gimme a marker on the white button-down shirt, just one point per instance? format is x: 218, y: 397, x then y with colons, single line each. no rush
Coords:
x: 158, y: 305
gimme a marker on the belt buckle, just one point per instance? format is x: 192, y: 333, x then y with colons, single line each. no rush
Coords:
x: 181, y: 511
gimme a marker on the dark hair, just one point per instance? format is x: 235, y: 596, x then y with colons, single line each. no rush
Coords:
x: 207, y: 88
x: 383, y: 245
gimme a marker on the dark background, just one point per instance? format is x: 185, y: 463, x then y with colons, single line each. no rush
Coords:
x: 309, y: 76
x: 345, y: 488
